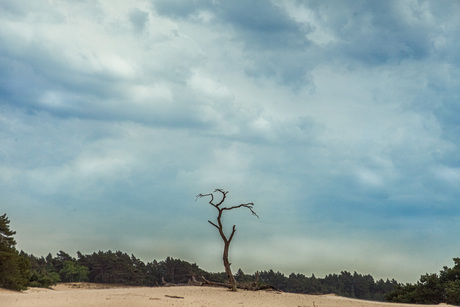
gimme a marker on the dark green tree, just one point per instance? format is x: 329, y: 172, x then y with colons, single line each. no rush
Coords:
x: 278, y: 279
x: 178, y: 271
x: 241, y: 277
x: 42, y: 273
x: 431, y: 288
x: 450, y: 279
x: 113, y: 267
x: 14, y: 267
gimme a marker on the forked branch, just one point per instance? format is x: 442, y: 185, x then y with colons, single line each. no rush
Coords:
x: 224, y: 195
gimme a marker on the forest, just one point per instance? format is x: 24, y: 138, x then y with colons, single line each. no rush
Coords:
x: 19, y: 270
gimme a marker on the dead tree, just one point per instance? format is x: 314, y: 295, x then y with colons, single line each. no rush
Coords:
x: 227, y: 240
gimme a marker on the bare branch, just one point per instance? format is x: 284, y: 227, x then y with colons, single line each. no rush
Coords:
x: 210, y: 202
x: 213, y: 224
x: 248, y: 205
x: 224, y: 195
x: 204, y: 195
x: 231, y: 236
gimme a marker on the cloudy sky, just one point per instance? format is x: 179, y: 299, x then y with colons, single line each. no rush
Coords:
x: 340, y: 120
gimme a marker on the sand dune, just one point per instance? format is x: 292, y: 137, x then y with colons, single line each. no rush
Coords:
x: 86, y: 294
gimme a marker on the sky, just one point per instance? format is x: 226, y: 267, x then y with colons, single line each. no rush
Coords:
x: 339, y: 120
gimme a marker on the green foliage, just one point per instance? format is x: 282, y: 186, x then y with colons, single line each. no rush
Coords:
x: 345, y: 284
x: 14, y: 267
x: 277, y: 279
x: 42, y: 273
x: 452, y: 292
x: 217, y: 277
x: 173, y: 271
x: 431, y: 288
x: 73, y: 272
x: 120, y: 268
x: 179, y: 271
x: 243, y: 278
x: 44, y: 279
x: 7, y: 242
x: 110, y: 267
x: 299, y: 283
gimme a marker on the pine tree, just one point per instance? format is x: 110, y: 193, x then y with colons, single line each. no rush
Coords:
x: 14, y: 268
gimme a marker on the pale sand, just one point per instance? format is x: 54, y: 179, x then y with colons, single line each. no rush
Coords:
x: 84, y: 294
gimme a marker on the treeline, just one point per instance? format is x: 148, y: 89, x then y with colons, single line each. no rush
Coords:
x: 108, y: 267
x: 121, y: 268
x: 431, y: 288
x: 344, y: 284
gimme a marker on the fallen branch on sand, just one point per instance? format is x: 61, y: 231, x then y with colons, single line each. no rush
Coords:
x: 174, y: 296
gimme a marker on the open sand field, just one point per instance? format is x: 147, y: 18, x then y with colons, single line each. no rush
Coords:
x: 85, y: 294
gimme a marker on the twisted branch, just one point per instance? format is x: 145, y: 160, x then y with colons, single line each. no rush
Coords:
x: 224, y: 195
x: 248, y: 205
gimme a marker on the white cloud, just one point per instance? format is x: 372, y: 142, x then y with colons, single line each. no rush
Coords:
x: 208, y: 86
x: 149, y: 94
x: 415, y: 13
x: 368, y: 177
x: 450, y: 175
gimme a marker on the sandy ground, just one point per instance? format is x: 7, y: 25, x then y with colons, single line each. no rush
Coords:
x: 85, y: 294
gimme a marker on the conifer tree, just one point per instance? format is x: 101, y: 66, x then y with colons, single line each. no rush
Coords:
x: 14, y: 268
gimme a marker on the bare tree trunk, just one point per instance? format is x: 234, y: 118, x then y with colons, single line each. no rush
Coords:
x: 228, y: 270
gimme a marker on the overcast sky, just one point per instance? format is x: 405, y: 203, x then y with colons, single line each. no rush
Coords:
x: 339, y: 119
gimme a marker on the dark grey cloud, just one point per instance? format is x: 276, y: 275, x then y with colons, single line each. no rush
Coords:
x: 376, y: 32
x: 264, y: 26
x: 138, y: 19
x: 181, y: 9
x: 275, y: 43
x: 259, y: 24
